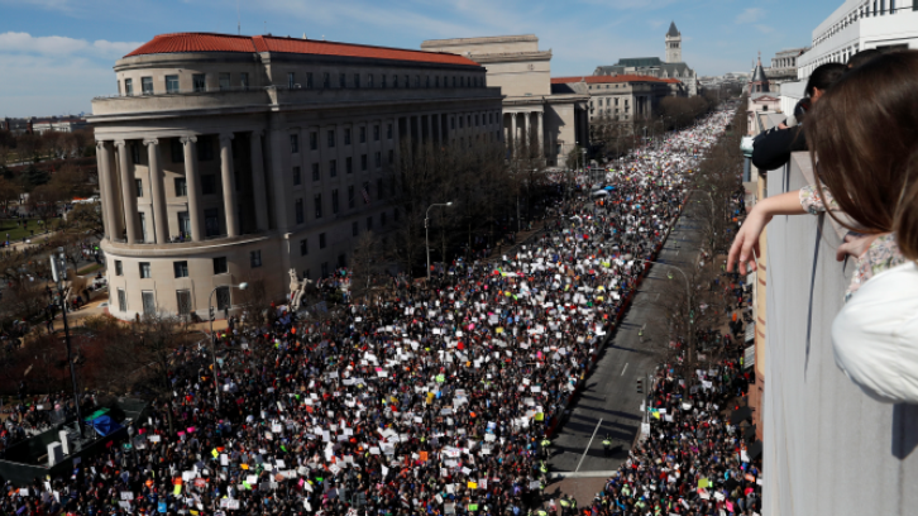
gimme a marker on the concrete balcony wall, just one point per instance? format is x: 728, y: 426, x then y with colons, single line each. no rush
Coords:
x: 829, y: 449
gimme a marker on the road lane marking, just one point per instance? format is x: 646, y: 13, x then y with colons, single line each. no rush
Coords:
x: 624, y: 368
x: 588, y: 446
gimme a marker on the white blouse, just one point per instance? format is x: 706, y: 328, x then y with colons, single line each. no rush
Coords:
x: 875, y: 336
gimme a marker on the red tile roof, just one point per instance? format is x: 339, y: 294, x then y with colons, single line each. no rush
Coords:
x: 607, y: 79
x: 204, y: 42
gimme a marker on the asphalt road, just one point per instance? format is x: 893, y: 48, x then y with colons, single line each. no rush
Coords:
x: 610, y: 403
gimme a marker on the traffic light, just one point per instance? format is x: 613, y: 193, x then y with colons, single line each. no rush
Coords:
x: 640, y: 385
x: 211, y: 309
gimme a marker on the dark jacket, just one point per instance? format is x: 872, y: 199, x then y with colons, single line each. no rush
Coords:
x: 772, y: 149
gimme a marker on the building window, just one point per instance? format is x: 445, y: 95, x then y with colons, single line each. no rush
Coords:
x: 172, y: 84
x: 197, y: 82
x: 181, y: 187
x: 180, y: 269
x: 294, y: 143
x: 321, y: 240
x: 244, y: 81
x: 149, y: 302
x: 363, y: 134
x: 211, y: 222
x: 382, y: 219
x: 376, y: 133
x: 309, y: 84
x: 370, y: 223
x: 395, y: 81
x: 220, y: 265
x: 334, y: 199
x: 183, y: 299
x: 333, y: 168
x: 304, y: 247
x: 205, y: 147
x: 313, y: 140
x: 297, y: 176
x: 326, y: 80
x: 379, y: 188
x: 357, y: 80
x: 350, y: 196
x: 349, y: 165
x: 407, y: 82
x: 119, y: 268
x: 347, y: 136
x: 122, y: 300
x: 291, y: 80
x: 324, y: 269
x: 316, y: 174
x: 138, y: 187
x: 299, y: 211
x: 370, y: 80
x: 255, y: 259
x: 224, y: 81
x: 377, y: 159
x: 389, y: 132
x: 391, y: 157
x: 223, y: 298
x: 417, y: 81
x: 184, y: 224
x: 318, y: 204
x: 176, y: 151
x: 363, y: 162
x: 331, y: 138
x: 208, y: 184
x: 145, y: 270
x: 129, y: 87
x: 342, y: 80
x: 146, y: 85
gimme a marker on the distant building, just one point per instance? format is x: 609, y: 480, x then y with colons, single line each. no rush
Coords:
x: 759, y: 82
x: 60, y: 125
x: 673, y: 68
x: 232, y: 158
x: 623, y: 98
x: 784, y: 65
x: 860, y: 25
x: 532, y: 110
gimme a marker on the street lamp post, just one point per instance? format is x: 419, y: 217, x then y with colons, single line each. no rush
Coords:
x: 427, y: 231
x: 689, y: 301
x: 59, y: 273
x: 213, y: 337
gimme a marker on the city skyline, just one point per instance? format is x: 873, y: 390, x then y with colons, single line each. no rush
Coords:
x: 45, y: 44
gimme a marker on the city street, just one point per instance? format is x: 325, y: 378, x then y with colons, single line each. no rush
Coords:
x: 610, y: 404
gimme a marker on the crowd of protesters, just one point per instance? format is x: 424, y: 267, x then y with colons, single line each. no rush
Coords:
x: 431, y: 400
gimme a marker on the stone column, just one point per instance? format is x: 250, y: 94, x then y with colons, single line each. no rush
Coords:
x: 128, y: 192
x: 512, y: 141
x: 115, y: 211
x: 105, y: 185
x: 540, y: 139
x: 158, y: 192
x: 228, y: 176
x: 193, y: 184
x: 258, y: 181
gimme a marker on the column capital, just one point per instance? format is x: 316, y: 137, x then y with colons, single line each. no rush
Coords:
x: 100, y: 144
x: 226, y: 137
x: 151, y: 141
x: 258, y: 133
x: 191, y: 138
x: 120, y: 143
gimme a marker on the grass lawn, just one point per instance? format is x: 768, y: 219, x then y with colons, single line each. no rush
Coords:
x: 18, y: 232
x: 89, y: 269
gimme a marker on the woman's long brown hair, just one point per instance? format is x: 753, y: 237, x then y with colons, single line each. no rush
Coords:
x: 864, y: 131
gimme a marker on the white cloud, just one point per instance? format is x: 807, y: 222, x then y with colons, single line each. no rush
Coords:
x: 59, y: 46
x: 764, y: 29
x: 751, y: 15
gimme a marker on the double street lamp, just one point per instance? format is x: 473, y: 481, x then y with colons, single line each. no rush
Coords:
x: 59, y: 274
x: 427, y: 231
x: 213, y: 337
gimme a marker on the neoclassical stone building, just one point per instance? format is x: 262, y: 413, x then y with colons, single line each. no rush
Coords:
x: 532, y: 111
x: 226, y: 159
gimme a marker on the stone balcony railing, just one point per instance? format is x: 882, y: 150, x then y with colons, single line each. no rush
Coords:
x: 829, y: 449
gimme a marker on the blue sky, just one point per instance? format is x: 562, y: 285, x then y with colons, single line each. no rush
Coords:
x: 56, y: 55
